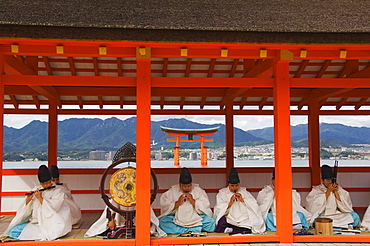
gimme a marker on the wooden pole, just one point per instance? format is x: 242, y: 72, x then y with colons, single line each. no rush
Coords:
x: 203, y: 152
x: 282, y: 142
x: 314, y: 141
x: 229, y: 125
x: 1, y: 125
x: 143, y: 94
x: 52, y: 133
x: 176, y: 152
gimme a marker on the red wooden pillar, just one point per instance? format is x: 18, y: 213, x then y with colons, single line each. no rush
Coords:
x: 282, y: 142
x: 53, y: 133
x: 143, y: 94
x: 229, y: 125
x: 176, y: 156
x: 176, y: 152
x: 203, y: 152
x: 314, y: 141
x: 1, y: 125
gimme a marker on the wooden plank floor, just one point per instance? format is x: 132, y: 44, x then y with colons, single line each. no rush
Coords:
x: 76, y: 233
x: 90, y: 218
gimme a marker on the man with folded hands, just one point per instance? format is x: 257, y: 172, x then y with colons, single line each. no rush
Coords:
x: 237, y: 210
x: 185, y: 207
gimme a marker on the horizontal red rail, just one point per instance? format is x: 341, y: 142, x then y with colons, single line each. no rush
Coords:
x: 21, y: 193
x: 214, y: 240
x: 331, y: 239
x: 177, y: 171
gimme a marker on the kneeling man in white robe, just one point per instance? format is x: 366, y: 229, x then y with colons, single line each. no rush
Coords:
x: 110, y: 221
x: 73, y: 206
x: 236, y: 210
x: 365, y: 224
x: 329, y: 200
x: 43, y: 215
x: 185, y: 207
x: 267, y: 202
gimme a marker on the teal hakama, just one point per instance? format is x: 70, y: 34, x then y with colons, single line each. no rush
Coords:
x: 17, y: 230
x: 167, y: 225
x: 192, y: 212
x: 270, y: 223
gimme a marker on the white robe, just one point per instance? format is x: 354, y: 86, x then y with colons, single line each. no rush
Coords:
x: 49, y: 220
x: 266, y: 200
x: 75, y: 209
x: 185, y: 215
x: 242, y: 214
x: 101, y: 224
x: 318, y: 205
x: 365, y: 224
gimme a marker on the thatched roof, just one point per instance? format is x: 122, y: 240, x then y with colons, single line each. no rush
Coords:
x: 194, y: 20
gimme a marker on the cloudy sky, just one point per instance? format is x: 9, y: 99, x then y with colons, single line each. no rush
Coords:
x: 243, y: 122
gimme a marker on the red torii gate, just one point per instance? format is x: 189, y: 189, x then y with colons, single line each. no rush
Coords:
x: 190, y: 133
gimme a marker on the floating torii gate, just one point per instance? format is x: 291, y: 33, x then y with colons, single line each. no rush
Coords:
x: 190, y: 133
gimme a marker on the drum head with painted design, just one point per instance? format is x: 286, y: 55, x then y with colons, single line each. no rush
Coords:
x: 122, y: 187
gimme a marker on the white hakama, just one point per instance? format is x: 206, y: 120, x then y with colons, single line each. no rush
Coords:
x: 101, y: 225
x: 46, y: 221
x: 340, y: 211
x: 241, y: 214
x: 365, y: 224
x: 185, y: 217
x: 267, y: 202
x: 75, y: 209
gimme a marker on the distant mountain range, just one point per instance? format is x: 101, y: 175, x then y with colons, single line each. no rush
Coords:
x: 347, y: 134
x: 110, y: 134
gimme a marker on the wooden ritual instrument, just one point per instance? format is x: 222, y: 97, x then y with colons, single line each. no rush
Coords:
x: 335, y: 173
x: 44, y: 189
x: 122, y: 190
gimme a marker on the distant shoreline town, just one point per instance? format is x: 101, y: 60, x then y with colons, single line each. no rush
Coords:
x: 261, y: 152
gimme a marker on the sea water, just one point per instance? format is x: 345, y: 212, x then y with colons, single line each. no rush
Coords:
x: 183, y: 163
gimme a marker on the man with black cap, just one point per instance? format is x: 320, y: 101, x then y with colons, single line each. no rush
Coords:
x: 75, y: 209
x: 185, y: 207
x: 331, y: 201
x: 267, y: 202
x: 43, y: 215
x: 236, y: 210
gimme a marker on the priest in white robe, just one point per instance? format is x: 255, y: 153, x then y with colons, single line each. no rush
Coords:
x: 185, y: 207
x: 75, y: 209
x: 236, y: 210
x: 43, y: 215
x: 110, y: 221
x: 365, y: 224
x: 329, y: 200
x: 267, y: 202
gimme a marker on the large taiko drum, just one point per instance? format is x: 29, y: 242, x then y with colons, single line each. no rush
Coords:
x: 122, y: 190
x: 122, y: 187
x: 122, y: 184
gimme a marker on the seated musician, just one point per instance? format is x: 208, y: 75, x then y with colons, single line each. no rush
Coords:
x: 236, y: 210
x: 75, y: 209
x: 110, y: 221
x: 329, y: 200
x: 267, y: 202
x: 365, y: 224
x: 44, y: 213
x: 185, y: 207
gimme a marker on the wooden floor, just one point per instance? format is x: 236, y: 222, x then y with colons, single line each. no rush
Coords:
x: 77, y: 233
x: 90, y: 218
